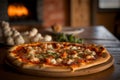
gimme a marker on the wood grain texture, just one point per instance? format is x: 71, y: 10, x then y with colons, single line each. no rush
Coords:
x: 80, y: 13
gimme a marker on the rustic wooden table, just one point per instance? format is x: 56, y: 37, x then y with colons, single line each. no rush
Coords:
x: 98, y: 35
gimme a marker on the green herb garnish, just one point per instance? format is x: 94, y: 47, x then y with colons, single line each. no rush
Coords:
x: 67, y: 38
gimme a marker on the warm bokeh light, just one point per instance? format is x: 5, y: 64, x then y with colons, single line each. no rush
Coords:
x: 17, y: 10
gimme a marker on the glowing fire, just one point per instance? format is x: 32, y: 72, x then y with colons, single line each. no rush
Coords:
x: 17, y: 10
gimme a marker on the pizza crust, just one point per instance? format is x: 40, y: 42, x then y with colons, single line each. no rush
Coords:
x: 82, y: 72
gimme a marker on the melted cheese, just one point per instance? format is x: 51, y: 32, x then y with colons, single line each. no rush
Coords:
x: 58, y: 54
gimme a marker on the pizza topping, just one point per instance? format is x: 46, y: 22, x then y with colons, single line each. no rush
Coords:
x: 34, y: 59
x: 90, y: 57
x: 73, y: 47
x: 59, y: 60
x: 65, y: 54
x: 53, y: 61
x: 70, y: 61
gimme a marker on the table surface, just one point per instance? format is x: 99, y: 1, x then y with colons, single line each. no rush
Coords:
x: 99, y: 35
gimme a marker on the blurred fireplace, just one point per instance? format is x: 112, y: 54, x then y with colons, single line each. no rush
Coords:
x: 19, y: 12
x: 22, y: 11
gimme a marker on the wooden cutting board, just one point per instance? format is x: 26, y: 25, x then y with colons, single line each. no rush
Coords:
x: 90, y: 70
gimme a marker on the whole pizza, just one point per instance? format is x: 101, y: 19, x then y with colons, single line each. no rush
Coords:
x: 57, y: 56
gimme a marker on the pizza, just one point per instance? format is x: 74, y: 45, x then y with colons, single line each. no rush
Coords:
x: 57, y: 56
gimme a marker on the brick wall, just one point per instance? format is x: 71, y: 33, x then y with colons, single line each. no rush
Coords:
x: 53, y: 12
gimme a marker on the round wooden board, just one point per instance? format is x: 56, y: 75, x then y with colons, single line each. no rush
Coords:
x: 90, y: 70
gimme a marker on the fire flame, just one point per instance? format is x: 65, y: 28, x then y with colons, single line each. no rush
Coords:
x: 17, y: 10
